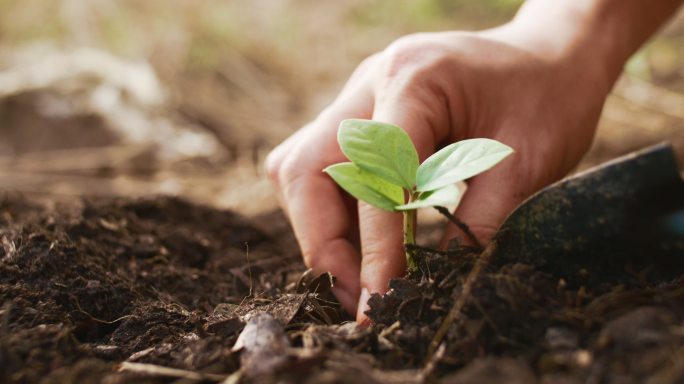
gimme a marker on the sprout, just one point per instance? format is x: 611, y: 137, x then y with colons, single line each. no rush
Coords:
x: 385, y: 172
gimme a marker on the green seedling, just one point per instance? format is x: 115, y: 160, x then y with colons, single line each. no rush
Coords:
x: 384, y: 170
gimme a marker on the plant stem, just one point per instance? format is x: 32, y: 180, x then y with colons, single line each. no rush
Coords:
x: 410, y: 218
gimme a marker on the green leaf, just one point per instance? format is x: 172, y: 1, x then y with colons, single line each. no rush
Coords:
x: 366, y: 186
x: 384, y: 150
x: 448, y: 195
x: 459, y: 161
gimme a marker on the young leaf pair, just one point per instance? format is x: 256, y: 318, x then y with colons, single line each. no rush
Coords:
x: 384, y: 164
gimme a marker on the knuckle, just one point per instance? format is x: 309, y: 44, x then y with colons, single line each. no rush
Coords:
x: 273, y: 165
x: 366, y: 63
x: 374, y: 260
x: 284, y: 164
x: 310, y: 260
x: 282, y: 170
x: 288, y: 170
x: 312, y: 256
x: 327, y: 114
x: 379, y: 264
x: 413, y: 54
x: 325, y: 254
x: 289, y: 175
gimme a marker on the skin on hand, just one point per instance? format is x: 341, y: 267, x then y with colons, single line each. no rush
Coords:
x: 443, y: 87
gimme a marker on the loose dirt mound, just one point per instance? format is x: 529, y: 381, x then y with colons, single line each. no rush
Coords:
x: 114, y: 291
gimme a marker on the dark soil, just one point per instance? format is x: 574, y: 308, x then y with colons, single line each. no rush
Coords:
x: 117, y: 291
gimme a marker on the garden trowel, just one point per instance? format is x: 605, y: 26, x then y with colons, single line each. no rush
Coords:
x: 623, y: 219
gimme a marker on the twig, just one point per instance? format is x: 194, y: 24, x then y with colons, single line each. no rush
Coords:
x: 158, y: 370
x: 234, y: 378
x: 456, y: 309
x: 431, y: 364
x: 461, y: 225
x: 83, y: 311
x: 249, y: 269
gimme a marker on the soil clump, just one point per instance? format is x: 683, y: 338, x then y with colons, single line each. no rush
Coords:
x: 161, y: 290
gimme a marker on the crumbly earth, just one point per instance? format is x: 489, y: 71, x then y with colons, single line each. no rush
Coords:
x: 118, y: 291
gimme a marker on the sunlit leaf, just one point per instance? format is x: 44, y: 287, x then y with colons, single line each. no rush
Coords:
x: 384, y: 150
x: 448, y: 195
x: 366, y: 186
x: 460, y: 161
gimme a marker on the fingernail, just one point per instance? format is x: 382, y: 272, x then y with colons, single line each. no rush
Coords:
x: 363, y: 307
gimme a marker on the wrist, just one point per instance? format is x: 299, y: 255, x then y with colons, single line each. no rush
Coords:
x: 597, y: 36
x: 564, y: 51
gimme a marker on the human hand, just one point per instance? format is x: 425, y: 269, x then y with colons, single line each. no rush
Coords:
x: 544, y: 101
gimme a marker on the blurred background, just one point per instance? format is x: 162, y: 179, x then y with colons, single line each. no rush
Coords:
x: 186, y: 97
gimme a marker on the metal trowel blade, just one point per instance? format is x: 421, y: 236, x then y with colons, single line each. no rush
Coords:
x: 621, y: 219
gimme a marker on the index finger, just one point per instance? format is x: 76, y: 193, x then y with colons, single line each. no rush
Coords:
x: 323, y: 223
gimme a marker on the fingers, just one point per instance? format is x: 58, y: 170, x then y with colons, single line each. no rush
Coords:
x: 321, y: 224
x: 383, y: 252
x: 353, y: 101
x: 381, y: 232
x: 322, y: 221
